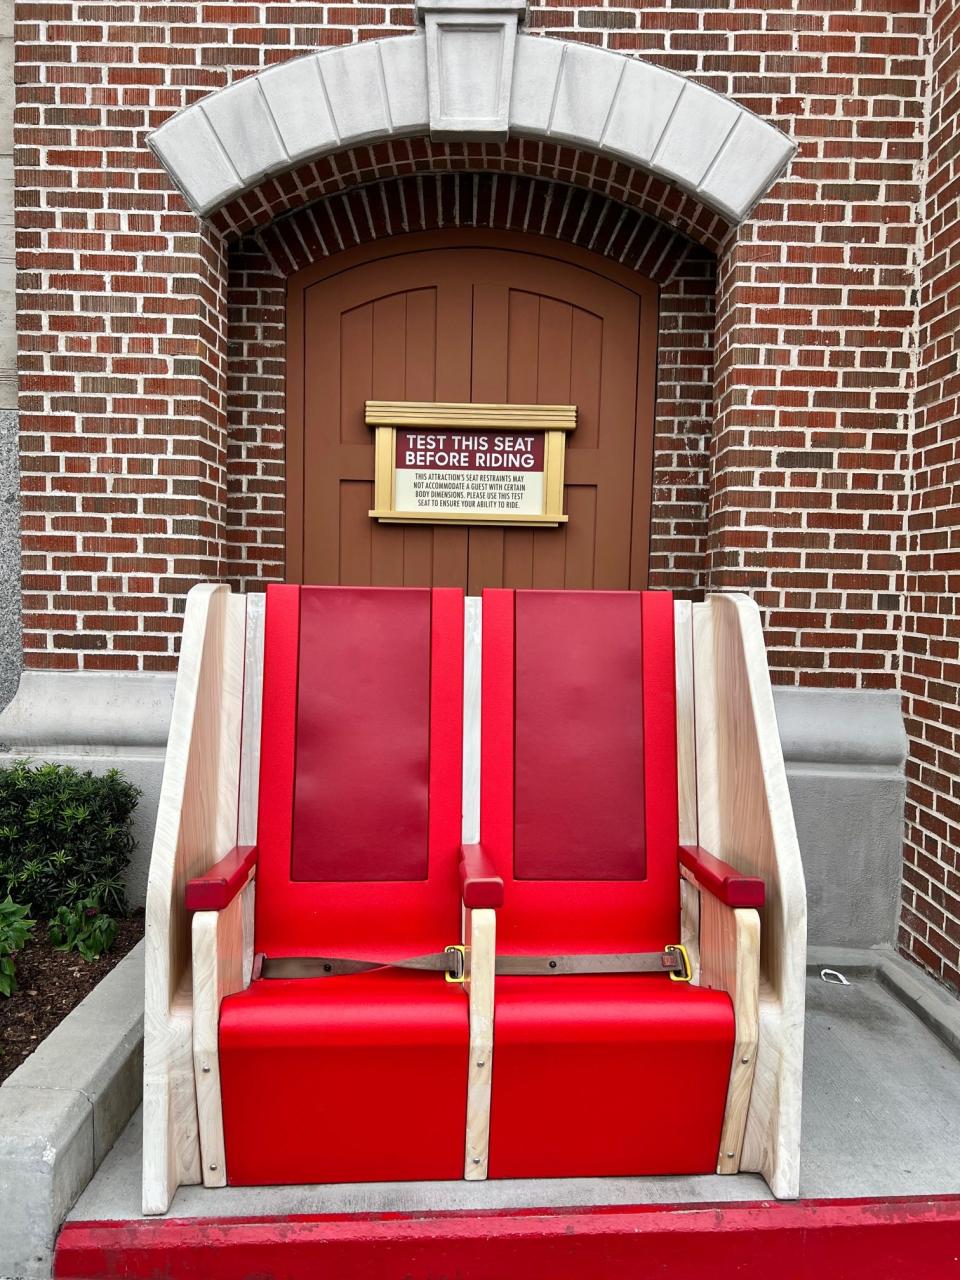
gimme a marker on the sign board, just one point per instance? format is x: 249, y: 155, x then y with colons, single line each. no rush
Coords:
x: 469, y: 463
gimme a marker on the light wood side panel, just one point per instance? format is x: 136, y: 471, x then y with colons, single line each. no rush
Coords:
x: 252, y: 719
x: 745, y: 817
x: 687, y: 776
x: 756, y: 814
x: 481, y: 938
x: 705, y: 729
x: 690, y: 925
x: 217, y: 973
x: 772, y: 1140
x: 249, y: 799
x: 730, y: 961
x: 196, y: 825
x: 686, y: 726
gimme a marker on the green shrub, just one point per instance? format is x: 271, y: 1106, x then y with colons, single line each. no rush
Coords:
x: 83, y: 927
x: 15, y: 929
x: 65, y: 836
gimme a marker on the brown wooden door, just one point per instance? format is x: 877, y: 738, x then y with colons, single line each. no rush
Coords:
x: 493, y: 319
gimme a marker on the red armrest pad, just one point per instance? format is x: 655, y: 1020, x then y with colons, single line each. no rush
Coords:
x: 217, y: 888
x: 479, y: 883
x: 726, y: 884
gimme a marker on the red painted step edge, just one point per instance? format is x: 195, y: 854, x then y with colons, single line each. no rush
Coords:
x: 913, y: 1238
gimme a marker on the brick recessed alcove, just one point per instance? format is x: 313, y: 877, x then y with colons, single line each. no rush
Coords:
x: 261, y: 262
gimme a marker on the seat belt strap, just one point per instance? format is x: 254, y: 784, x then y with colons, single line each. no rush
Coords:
x: 672, y: 960
x: 336, y: 966
x: 622, y: 962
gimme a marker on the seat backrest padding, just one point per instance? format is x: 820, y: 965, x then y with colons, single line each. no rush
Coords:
x: 578, y: 810
x: 579, y: 807
x: 363, y: 736
x: 360, y: 771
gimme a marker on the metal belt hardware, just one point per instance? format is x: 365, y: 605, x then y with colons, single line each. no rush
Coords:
x: 679, y: 950
x: 452, y: 963
x: 460, y: 973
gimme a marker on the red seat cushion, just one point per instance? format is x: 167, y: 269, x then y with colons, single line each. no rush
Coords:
x: 350, y: 1079
x: 608, y: 1076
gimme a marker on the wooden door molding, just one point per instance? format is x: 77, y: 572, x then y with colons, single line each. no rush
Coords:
x: 410, y: 242
x: 467, y: 354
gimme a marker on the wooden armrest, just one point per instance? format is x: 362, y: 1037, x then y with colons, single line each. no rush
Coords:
x: 480, y: 886
x: 217, y: 888
x: 726, y: 883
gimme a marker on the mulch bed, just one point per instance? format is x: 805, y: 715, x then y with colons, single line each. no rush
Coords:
x: 49, y: 984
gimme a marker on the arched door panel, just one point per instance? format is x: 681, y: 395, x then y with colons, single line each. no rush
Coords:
x: 482, y: 323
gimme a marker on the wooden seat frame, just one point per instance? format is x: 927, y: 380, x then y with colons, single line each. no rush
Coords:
x: 735, y: 821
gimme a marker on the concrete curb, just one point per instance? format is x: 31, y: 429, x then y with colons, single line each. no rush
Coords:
x: 917, y: 991
x: 924, y: 997
x: 62, y: 1110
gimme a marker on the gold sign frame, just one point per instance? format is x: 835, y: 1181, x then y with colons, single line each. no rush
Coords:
x: 387, y: 416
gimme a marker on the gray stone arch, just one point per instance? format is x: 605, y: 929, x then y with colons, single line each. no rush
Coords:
x: 472, y: 76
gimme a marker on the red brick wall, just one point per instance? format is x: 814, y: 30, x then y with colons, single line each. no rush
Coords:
x: 137, y: 455
x: 930, y: 920
x: 125, y: 504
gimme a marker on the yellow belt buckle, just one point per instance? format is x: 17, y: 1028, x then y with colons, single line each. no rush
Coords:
x: 678, y: 949
x: 461, y: 972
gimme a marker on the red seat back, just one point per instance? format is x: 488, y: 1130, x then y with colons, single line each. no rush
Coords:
x: 578, y: 768
x: 360, y: 771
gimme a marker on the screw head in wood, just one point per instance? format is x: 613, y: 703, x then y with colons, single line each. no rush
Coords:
x: 744, y: 1060
x: 482, y: 1062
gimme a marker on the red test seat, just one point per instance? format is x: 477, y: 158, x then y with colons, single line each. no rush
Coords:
x: 362, y: 1077
x: 593, y: 1075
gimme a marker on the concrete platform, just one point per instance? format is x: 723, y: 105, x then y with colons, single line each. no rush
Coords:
x: 881, y: 1119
